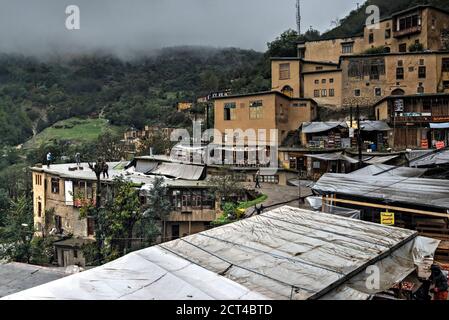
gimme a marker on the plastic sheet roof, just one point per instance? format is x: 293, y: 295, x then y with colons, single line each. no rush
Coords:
x: 315, y: 127
x: 432, y: 159
x: 383, y: 169
x: 332, y: 157
x: 16, y: 277
x: 286, y: 253
x: 416, y: 191
x: 179, y: 171
x: 374, y: 126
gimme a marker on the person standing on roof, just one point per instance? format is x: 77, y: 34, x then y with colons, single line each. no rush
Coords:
x: 49, y: 158
x: 257, y: 178
x: 105, y: 169
x: 78, y: 159
x: 439, y: 280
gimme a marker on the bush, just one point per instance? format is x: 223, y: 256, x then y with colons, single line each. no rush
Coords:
x: 416, y: 47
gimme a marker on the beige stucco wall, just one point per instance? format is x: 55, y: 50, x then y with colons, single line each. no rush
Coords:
x: 310, y: 86
x: 277, y: 84
x: 388, y: 81
x: 330, y: 50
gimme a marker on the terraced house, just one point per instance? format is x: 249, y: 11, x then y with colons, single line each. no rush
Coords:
x: 402, y: 61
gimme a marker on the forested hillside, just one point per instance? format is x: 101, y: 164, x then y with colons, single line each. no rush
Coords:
x: 354, y: 22
x: 35, y: 93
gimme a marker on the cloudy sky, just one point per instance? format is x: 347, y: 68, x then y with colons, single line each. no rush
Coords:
x: 38, y: 26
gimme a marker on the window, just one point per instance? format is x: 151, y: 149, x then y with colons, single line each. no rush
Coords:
x: 323, y: 81
x: 229, y: 111
x: 347, y: 48
x: 324, y: 93
x: 422, y: 72
x: 374, y: 72
x: 75, y: 254
x: 420, y: 88
x: 318, y: 68
x: 400, y: 63
x: 256, y: 110
x: 357, y: 92
x: 39, y: 209
x: 331, y: 92
x: 58, y: 224
x: 55, y: 185
x: 400, y: 73
x: 317, y: 81
x: 331, y: 80
x: 377, y: 92
x: 421, y: 62
x: 284, y: 71
x: 38, y: 180
x: 445, y: 64
x: 409, y: 22
x: 316, y: 93
x: 403, y: 47
x: 446, y: 84
x: 371, y: 38
x: 387, y: 33
x: 90, y: 226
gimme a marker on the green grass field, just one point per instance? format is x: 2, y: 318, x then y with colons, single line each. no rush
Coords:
x: 74, y: 129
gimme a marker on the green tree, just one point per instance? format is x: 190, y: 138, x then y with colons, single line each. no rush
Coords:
x: 16, y: 236
x: 227, y: 186
x: 284, y: 46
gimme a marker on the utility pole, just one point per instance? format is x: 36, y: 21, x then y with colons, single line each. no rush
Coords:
x: 298, y: 16
x: 359, y: 136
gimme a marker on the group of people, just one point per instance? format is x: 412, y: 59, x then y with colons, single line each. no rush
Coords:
x: 102, y: 163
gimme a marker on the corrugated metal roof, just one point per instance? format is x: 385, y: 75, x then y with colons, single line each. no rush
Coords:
x: 415, y: 191
x: 286, y: 253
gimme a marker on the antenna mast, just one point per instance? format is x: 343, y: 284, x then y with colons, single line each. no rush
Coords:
x: 298, y: 16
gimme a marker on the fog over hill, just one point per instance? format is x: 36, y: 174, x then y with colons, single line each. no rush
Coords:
x: 130, y: 28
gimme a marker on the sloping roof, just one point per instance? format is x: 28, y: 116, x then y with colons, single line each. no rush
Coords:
x: 315, y: 127
x: 332, y: 157
x: 383, y: 169
x: 179, y: 171
x: 379, y: 159
x: 15, y: 277
x: 418, y: 158
x: 286, y: 253
x: 368, y: 125
x: 415, y: 191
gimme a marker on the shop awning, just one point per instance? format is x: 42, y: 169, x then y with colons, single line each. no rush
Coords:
x: 439, y: 125
x: 335, y: 156
x: 374, y: 126
x: 383, y: 169
x: 179, y: 171
x: 379, y: 159
x: 432, y: 159
x: 315, y: 127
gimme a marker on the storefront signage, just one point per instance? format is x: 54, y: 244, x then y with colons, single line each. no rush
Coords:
x: 398, y: 105
x: 441, y: 119
x: 415, y: 114
x: 387, y: 218
x: 440, y: 145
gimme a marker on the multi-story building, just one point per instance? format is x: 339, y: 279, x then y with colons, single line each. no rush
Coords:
x: 61, y: 190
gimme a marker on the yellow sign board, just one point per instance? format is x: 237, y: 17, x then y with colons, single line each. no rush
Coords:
x: 387, y: 218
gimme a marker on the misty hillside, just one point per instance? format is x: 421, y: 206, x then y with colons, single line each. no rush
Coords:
x: 353, y: 23
x: 34, y: 94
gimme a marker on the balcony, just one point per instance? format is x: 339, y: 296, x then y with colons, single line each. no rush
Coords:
x: 407, y: 32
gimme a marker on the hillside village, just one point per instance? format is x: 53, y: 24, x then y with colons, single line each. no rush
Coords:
x: 341, y: 164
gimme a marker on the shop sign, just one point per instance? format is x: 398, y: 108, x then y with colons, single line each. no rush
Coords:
x: 440, y: 145
x: 387, y: 218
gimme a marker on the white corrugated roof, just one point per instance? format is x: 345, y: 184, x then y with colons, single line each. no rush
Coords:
x: 286, y: 253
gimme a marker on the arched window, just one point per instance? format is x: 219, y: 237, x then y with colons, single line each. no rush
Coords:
x: 397, y: 92
x: 288, y: 91
x: 387, y: 50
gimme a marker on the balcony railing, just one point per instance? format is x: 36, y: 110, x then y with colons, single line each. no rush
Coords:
x: 406, y: 32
